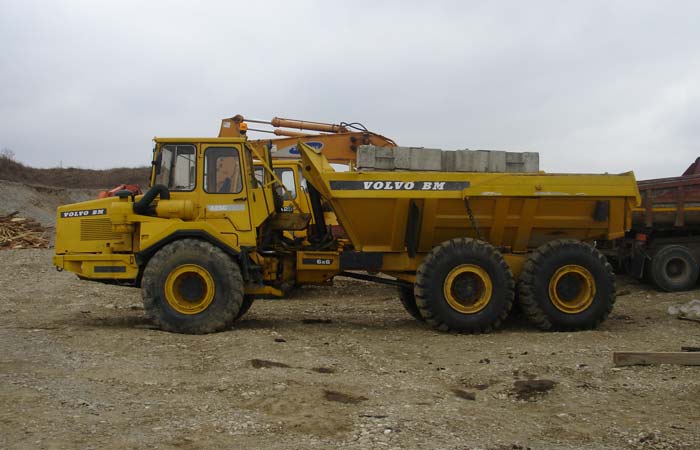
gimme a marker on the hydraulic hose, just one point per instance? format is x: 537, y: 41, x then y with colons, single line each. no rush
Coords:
x: 141, y: 207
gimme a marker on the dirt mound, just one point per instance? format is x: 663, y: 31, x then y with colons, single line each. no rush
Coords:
x: 72, y: 177
x: 39, y: 202
x: 36, y: 193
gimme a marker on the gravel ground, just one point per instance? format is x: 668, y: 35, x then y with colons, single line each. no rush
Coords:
x: 332, y: 367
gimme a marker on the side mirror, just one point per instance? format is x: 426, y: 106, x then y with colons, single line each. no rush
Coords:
x: 157, y: 162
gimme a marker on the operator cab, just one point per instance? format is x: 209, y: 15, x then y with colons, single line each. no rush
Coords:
x: 175, y: 168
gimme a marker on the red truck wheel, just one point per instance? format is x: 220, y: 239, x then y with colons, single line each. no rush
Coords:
x: 674, y: 268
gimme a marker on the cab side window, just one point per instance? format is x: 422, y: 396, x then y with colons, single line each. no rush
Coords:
x: 260, y: 175
x: 222, y: 171
x: 287, y: 178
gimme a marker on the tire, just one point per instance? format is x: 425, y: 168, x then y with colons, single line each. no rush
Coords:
x: 245, y: 306
x: 190, y: 286
x: 674, y: 268
x: 408, y: 300
x: 566, y: 285
x: 464, y: 285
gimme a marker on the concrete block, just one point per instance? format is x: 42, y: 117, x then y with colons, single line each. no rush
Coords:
x: 366, y: 156
x: 497, y: 161
x: 432, y: 159
x: 463, y: 161
x: 471, y: 161
x: 384, y: 158
x: 531, y: 162
x: 448, y: 160
x: 402, y: 158
x: 426, y: 159
x: 522, y: 162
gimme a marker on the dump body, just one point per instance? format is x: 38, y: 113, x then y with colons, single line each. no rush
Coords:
x: 395, y: 212
x: 668, y: 203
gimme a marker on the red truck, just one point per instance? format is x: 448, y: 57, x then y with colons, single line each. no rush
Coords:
x: 663, y: 245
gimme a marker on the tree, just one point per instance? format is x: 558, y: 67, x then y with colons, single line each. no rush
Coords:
x: 7, y: 153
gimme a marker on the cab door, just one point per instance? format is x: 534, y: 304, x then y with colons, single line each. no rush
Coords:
x: 225, y: 192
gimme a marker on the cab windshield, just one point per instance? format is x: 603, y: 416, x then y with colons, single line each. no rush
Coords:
x: 176, y: 167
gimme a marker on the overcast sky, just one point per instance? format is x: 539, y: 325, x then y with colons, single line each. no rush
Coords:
x: 594, y: 86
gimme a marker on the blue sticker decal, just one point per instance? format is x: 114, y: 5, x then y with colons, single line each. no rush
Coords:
x: 313, y: 144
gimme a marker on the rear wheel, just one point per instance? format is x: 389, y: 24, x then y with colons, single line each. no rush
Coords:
x: 674, y: 268
x: 408, y: 300
x: 567, y: 285
x: 190, y: 286
x: 464, y: 285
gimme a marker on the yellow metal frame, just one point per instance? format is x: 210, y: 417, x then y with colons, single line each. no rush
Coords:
x: 121, y: 266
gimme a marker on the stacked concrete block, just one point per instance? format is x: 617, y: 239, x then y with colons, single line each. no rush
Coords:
x: 522, y: 162
x: 480, y: 161
x: 370, y: 157
x: 411, y: 158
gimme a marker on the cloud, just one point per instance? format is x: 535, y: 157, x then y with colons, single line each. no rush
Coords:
x: 593, y: 86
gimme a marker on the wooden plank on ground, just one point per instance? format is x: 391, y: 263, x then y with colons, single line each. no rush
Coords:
x: 648, y: 358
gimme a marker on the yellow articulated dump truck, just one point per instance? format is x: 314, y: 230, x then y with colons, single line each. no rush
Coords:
x: 210, y: 236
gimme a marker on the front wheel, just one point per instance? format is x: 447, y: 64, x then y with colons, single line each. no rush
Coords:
x: 193, y: 287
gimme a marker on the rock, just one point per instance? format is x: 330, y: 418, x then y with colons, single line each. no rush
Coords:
x: 334, y: 396
x: 265, y: 364
x: 530, y: 389
x: 690, y: 310
x: 464, y: 394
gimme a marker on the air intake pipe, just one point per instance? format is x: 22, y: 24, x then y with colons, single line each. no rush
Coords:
x: 141, y: 207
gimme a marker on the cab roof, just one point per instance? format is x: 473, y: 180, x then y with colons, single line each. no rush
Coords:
x: 213, y: 140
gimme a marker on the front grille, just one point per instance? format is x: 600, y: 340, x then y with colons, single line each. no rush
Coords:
x: 97, y: 230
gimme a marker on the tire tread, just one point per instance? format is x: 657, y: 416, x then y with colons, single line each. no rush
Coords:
x: 527, y: 297
x: 423, y: 282
x: 150, y: 288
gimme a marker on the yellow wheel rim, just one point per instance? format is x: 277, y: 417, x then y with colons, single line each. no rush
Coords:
x: 189, y: 289
x: 572, y: 289
x: 468, y: 288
